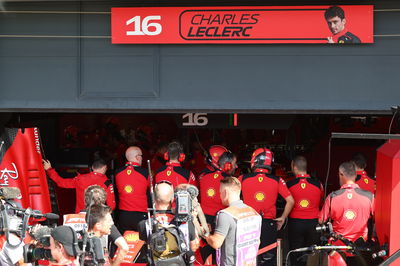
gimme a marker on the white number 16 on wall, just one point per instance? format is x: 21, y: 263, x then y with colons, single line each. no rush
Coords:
x: 142, y: 27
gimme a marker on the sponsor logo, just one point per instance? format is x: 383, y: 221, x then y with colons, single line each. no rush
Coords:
x: 215, y: 176
x: 129, y: 172
x: 349, y: 195
x: 304, y: 203
x: 128, y: 189
x: 211, y: 192
x: 350, y: 215
x: 37, y: 139
x: 169, y: 173
x: 366, y: 181
x: 8, y: 173
x: 260, y: 179
x: 303, y: 185
x: 132, y: 237
x: 259, y: 196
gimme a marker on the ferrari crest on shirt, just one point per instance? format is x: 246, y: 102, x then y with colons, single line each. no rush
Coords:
x: 129, y: 172
x: 169, y: 173
x: 366, y: 181
x: 303, y: 185
x: 211, y: 192
x: 259, y: 196
x: 260, y: 179
x: 215, y: 176
x: 128, y: 189
x: 349, y: 195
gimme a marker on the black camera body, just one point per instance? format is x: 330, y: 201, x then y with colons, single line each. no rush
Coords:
x: 183, y: 208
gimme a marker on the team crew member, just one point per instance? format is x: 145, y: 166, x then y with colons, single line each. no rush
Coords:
x: 132, y: 184
x: 81, y: 182
x: 363, y: 180
x: 173, y: 171
x: 336, y: 20
x: 260, y: 190
x: 237, y: 232
x: 210, y: 199
x: 307, y: 193
x: 214, y: 152
x: 349, y: 207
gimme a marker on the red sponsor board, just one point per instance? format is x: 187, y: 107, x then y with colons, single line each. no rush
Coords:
x: 276, y: 24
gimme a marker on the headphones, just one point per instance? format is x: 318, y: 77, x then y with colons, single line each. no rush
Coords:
x: 181, y: 157
x: 227, y: 166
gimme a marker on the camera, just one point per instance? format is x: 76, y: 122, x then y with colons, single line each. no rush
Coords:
x: 325, y: 228
x: 94, y: 254
x: 40, y: 250
x: 183, y: 206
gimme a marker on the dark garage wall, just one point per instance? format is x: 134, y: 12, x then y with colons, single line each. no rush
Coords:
x: 88, y: 74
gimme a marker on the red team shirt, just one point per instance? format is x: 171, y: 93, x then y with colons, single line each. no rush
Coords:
x: 176, y: 174
x: 349, y: 208
x: 365, y: 182
x: 81, y: 183
x: 210, y: 199
x: 260, y: 191
x: 307, y: 193
x: 132, y: 184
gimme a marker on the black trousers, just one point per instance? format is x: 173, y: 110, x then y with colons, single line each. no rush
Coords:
x: 302, y: 233
x: 128, y: 220
x: 269, y: 235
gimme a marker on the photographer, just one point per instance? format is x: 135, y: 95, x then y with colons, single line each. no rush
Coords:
x: 64, y: 246
x: 96, y: 195
x: 349, y: 209
x: 164, y: 196
x: 99, y: 225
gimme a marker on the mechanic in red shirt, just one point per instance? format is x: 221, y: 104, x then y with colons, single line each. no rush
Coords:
x: 132, y: 183
x: 363, y: 180
x: 82, y: 182
x: 210, y: 199
x: 350, y: 207
x: 173, y: 171
x: 308, y: 194
x: 260, y: 190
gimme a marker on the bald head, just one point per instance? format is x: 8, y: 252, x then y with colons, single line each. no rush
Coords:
x: 134, y: 154
x: 164, y: 193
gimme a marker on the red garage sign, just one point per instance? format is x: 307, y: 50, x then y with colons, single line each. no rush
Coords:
x: 277, y: 24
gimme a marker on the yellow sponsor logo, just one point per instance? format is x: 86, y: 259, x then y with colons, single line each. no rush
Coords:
x: 211, y: 192
x: 260, y: 179
x: 128, y: 189
x: 132, y: 237
x: 304, y: 203
x: 259, y: 196
x: 350, y: 215
x: 215, y: 176
x: 366, y: 181
x: 129, y: 172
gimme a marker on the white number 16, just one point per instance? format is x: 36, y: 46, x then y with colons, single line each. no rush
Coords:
x: 142, y: 28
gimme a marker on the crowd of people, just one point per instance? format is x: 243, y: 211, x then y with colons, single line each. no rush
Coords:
x: 230, y: 204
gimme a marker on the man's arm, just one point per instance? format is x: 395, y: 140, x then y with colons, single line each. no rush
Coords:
x: 123, y: 249
x: 288, y: 208
x: 61, y: 182
x: 215, y: 240
x: 324, y: 213
x: 110, y: 200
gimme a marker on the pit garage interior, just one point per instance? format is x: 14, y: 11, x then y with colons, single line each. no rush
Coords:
x: 60, y: 72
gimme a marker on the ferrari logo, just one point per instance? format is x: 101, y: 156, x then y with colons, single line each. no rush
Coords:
x: 350, y: 215
x: 260, y: 179
x: 211, y: 192
x: 128, y: 189
x: 304, y: 203
x: 303, y: 185
x: 129, y: 172
x: 215, y: 154
x: 132, y: 237
x: 350, y: 195
x: 215, y: 176
x: 366, y: 181
x: 259, y: 196
x: 169, y: 173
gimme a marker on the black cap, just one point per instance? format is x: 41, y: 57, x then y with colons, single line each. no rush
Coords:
x: 67, y: 237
